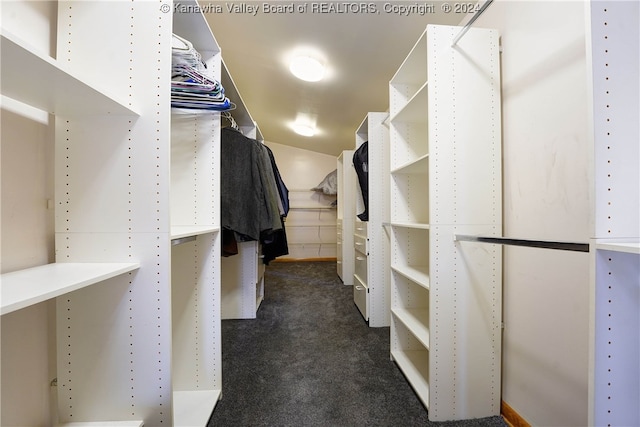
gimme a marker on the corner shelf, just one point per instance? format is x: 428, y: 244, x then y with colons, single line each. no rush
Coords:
x: 31, y: 286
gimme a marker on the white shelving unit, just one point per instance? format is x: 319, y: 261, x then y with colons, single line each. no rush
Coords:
x: 371, y: 240
x: 242, y: 274
x: 345, y: 256
x: 311, y: 225
x: 195, y: 235
x: 137, y: 316
x: 614, y: 383
x: 445, y: 178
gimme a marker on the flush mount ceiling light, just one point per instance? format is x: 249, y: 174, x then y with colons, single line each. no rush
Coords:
x: 307, y: 68
x: 304, y: 130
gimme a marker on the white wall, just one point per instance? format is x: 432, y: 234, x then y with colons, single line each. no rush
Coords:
x: 311, y: 231
x: 546, y: 197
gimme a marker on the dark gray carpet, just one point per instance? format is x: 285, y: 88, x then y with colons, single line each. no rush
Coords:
x: 309, y: 359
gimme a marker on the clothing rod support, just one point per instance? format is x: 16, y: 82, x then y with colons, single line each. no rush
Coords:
x: 471, y: 21
x: 566, y: 246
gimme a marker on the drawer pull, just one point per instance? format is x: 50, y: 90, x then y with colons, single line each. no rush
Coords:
x: 359, y: 288
x: 359, y: 258
x: 358, y: 244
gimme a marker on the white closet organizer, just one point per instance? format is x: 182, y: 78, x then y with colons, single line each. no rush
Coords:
x: 141, y: 345
x: 445, y: 178
x: 371, y: 240
x: 243, y: 273
x: 311, y: 225
x: 195, y: 235
x: 345, y: 254
x: 614, y: 383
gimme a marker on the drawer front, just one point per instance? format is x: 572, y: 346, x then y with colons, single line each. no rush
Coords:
x: 360, y: 228
x: 360, y: 297
x: 361, y: 267
x: 360, y: 244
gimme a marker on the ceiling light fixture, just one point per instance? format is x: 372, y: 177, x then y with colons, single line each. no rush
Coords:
x: 304, y: 130
x: 307, y: 68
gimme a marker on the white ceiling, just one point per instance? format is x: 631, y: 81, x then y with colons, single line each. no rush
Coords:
x: 363, y: 51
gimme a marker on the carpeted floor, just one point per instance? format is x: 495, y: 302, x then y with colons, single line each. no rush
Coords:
x: 309, y: 359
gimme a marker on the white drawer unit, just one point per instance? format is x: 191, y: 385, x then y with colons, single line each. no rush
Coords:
x: 361, y: 266
x: 361, y: 296
x: 361, y: 244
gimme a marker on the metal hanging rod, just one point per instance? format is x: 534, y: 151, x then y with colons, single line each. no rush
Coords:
x: 181, y: 240
x: 471, y: 21
x: 565, y: 246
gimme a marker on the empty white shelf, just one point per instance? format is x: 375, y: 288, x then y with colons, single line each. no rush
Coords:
x: 103, y: 424
x: 416, y: 273
x: 23, y: 288
x: 414, y: 110
x: 628, y: 247
x: 182, y: 231
x: 415, y: 366
x: 193, y: 408
x: 418, y: 166
x: 45, y: 83
x: 412, y: 318
x: 418, y: 225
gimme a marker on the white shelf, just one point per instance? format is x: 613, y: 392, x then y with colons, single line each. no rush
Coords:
x: 103, y: 424
x: 414, y: 110
x: 193, y: 408
x: 182, y: 231
x: 47, y: 84
x: 416, y: 225
x: 418, y: 274
x: 412, y: 319
x: 23, y: 288
x: 627, y: 247
x: 417, y: 166
x: 415, y: 366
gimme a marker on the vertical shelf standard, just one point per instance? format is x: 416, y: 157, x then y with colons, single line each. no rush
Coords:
x: 445, y: 178
x: 614, y: 383
x: 372, y: 275
x: 345, y: 217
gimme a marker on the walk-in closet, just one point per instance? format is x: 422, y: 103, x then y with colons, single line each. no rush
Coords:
x: 319, y: 213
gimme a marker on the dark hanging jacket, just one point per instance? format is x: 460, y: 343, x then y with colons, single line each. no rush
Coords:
x: 361, y: 164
